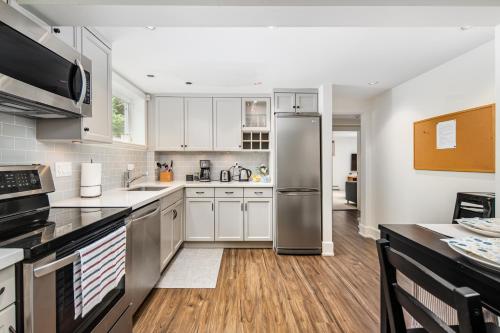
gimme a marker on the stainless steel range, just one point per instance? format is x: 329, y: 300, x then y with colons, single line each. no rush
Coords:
x: 50, y: 238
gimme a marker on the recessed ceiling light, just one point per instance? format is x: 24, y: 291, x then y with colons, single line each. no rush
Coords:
x: 188, y: 83
x: 372, y: 83
x: 150, y: 75
x: 151, y: 28
x: 465, y: 27
x: 271, y: 26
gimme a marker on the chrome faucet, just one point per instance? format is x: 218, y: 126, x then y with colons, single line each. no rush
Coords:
x: 129, y: 179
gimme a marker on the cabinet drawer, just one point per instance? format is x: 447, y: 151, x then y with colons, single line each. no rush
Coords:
x: 7, y: 287
x: 228, y: 192
x: 170, y: 199
x: 8, y: 319
x: 258, y: 192
x: 200, y: 192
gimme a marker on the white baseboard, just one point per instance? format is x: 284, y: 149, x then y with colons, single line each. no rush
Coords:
x: 228, y: 245
x: 369, y: 232
x: 327, y: 249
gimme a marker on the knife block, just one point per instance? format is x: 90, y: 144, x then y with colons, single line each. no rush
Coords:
x: 166, y: 176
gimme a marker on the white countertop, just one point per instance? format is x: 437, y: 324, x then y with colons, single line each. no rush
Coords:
x: 120, y: 197
x: 9, y: 257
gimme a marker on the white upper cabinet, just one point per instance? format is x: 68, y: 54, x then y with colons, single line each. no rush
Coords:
x: 227, y: 123
x: 98, y: 127
x: 169, y: 123
x: 306, y: 102
x: 69, y: 35
x: 256, y: 114
x: 284, y: 102
x: 198, y: 134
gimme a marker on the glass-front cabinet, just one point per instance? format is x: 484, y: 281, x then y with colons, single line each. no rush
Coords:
x: 256, y: 114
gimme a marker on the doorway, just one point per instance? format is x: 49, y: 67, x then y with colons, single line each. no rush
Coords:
x: 345, y: 170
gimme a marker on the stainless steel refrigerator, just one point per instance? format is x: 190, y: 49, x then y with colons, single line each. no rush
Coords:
x: 298, y: 185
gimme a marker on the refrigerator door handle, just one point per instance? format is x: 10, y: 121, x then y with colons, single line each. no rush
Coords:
x: 299, y: 193
x: 298, y: 189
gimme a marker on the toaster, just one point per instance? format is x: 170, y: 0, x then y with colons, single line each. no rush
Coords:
x: 225, y: 176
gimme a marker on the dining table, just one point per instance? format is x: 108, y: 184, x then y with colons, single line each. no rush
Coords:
x: 425, y: 245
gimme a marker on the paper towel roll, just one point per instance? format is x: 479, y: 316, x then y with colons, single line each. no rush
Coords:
x: 90, y: 185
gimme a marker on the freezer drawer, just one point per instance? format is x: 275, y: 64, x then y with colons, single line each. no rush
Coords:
x: 299, y: 222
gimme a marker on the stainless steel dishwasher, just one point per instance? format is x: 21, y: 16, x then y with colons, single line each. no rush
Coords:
x: 143, y: 255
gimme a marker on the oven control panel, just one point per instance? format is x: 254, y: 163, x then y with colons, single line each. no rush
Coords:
x: 19, y: 181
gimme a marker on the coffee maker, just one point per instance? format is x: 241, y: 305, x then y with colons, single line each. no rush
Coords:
x: 204, y: 170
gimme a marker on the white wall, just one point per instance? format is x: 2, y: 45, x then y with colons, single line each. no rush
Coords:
x: 394, y: 191
x: 346, y: 143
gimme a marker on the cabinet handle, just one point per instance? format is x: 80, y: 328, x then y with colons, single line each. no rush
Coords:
x: 246, y: 206
x: 56, y: 30
x: 242, y: 206
x: 298, y: 106
x: 259, y: 192
x: 12, y: 329
x: 200, y: 192
x: 294, y: 106
x: 229, y: 192
x: 175, y: 214
x: 86, y: 129
x: 2, y: 290
x: 212, y: 206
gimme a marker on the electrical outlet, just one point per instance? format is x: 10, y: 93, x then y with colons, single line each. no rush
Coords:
x: 63, y: 169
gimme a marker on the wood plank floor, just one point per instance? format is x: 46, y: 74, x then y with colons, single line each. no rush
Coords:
x: 258, y: 291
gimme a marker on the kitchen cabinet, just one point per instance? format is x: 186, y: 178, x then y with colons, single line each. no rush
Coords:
x: 256, y: 114
x: 97, y: 128
x: 170, y: 123
x: 166, y: 236
x: 227, y: 124
x: 258, y: 219
x: 198, y: 131
x: 69, y: 35
x: 178, y: 225
x: 296, y: 102
x: 284, y: 102
x: 229, y: 219
x: 306, y: 102
x: 199, y: 219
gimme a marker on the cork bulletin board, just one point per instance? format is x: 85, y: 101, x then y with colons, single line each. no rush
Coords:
x: 459, y: 141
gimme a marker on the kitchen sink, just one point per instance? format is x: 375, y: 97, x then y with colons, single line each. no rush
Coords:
x: 148, y: 188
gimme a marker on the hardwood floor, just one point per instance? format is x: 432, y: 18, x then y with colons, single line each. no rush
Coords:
x: 259, y: 291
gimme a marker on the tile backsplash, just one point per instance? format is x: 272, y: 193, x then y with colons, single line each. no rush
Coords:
x: 18, y: 145
x: 189, y: 162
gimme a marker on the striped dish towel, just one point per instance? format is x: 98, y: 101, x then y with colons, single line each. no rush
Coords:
x: 98, y: 270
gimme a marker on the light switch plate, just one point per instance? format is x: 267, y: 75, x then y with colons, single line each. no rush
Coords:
x: 63, y: 169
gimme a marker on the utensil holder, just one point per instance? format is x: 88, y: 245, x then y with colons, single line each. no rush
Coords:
x: 166, y: 176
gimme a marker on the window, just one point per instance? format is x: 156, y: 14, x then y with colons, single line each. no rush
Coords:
x: 129, y: 112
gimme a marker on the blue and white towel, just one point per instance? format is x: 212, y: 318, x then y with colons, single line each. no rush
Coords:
x: 98, y: 270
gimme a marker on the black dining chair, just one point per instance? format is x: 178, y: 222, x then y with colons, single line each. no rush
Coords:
x: 464, y: 300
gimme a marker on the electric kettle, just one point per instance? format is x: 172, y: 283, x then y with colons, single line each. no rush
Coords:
x: 245, y: 175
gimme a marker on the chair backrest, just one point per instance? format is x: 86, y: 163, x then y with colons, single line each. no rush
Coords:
x: 464, y: 300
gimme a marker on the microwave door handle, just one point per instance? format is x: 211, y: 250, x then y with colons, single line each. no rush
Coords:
x: 84, y: 82
x: 55, y: 265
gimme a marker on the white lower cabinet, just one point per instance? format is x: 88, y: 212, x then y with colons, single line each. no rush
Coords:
x: 178, y: 224
x: 258, y: 219
x: 8, y: 319
x: 229, y: 219
x: 199, y: 219
x: 167, y: 237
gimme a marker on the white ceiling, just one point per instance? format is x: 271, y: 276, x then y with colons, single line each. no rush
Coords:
x: 231, y: 60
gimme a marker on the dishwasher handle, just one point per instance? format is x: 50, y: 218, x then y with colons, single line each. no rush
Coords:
x: 144, y: 216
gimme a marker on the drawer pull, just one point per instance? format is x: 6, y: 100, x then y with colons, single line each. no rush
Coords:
x: 229, y: 192
x: 260, y: 192
x: 2, y: 290
x: 200, y: 192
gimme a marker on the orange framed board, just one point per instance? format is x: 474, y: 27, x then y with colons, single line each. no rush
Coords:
x: 474, y: 135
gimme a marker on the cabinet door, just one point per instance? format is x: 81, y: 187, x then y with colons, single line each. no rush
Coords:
x: 229, y: 219
x: 306, y: 102
x: 66, y: 34
x: 169, y: 123
x: 166, y: 237
x: 227, y: 123
x: 258, y: 219
x: 98, y: 127
x: 256, y: 114
x: 284, y: 102
x: 178, y: 227
x: 198, y: 135
x: 199, y: 219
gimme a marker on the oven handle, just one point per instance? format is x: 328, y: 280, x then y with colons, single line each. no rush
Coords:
x: 55, y: 265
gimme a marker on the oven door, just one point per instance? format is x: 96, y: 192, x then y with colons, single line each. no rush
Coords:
x: 48, y: 292
x: 40, y: 76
